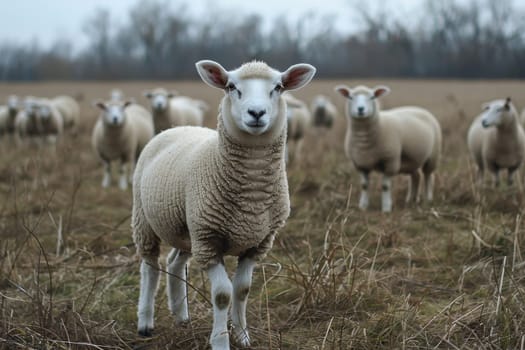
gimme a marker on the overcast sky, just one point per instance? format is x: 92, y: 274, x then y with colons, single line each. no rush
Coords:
x: 45, y: 21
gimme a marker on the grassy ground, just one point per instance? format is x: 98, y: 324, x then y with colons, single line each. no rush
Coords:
x: 446, y: 275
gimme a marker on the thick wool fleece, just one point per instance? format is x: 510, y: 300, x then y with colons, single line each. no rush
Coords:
x: 501, y: 147
x: 68, y: 109
x: 400, y: 140
x: 211, y: 193
x: 124, y: 142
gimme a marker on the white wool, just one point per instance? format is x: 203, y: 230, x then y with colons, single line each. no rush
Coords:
x: 121, y: 138
x: 496, y: 140
x: 404, y: 140
x: 215, y: 193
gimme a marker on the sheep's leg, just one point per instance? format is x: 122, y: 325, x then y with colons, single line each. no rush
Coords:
x: 510, y: 176
x: 106, y: 180
x: 149, y: 278
x: 481, y: 176
x: 176, y: 284
x: 496, y: 178
x: 363, y: 199
x: 429, y: 186
x: 123, y: 181
x: 413, y: 187
x: 221, y: 295
x: 298, y: 150
x: 386, y: 195
x: 241, y: 287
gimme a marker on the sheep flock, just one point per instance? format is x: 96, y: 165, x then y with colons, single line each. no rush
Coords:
x: 207, y: 193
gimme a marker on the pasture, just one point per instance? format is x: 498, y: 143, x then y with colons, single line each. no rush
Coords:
x: 445, y: 275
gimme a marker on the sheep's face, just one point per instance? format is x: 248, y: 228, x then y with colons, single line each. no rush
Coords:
x: 254, y: 91
x: 113, y: 113
x: 12, y: 104
x: 159, y: 99
x: 362, y: 101
x: 496, y: 113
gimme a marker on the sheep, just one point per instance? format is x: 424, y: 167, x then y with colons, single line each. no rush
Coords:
x: 26, y: 121
x: 49, y: 121
x: 8, y: 115
x: 299, y: 119
x: 213, y: 193
x: 170, y: 110
x: 120, y: 133
x: 496, y: 140
x: 323, y: 111
x: 69, y: 110
x: 401, y: 140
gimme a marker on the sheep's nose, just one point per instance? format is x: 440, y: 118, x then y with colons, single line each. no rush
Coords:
x: 361, y: 110
x: 256, y: 114
x: 484, y: 123
x: 115, y: 120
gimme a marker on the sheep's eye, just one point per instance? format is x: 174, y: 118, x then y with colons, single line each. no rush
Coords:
x: 231, y: 87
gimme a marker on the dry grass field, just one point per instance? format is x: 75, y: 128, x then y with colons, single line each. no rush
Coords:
x: 445, y: 275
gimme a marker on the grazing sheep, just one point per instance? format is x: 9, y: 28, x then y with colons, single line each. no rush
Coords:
x: 49, y: 121
x: 69, y: 110
x: 120, y: 133
x: 323, y: 111
x: 496, y: 140
x: 213, y: 193
x: 170, y: 110
x: 400, y: 140
x: 299, y: 119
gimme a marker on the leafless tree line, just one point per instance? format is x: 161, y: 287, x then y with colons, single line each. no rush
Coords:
x: 476, y: 39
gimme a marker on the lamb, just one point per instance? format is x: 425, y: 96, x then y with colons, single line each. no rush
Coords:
x: 120, y: 133
x: 170, y: 110
x: 323, y: 111
x: 213, y: 193
x: 496, y: 140
x: 401, y: 140
x: 69, y: 110
x: 299, y: 119
x: 8, y: 115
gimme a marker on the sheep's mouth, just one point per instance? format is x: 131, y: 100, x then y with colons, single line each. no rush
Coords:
x: 256, y: 124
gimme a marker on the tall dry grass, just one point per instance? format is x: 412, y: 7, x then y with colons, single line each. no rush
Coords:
x: 446, y: 275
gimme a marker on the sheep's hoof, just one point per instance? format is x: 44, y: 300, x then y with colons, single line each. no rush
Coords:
x: 146, y: 332
x: 241, y: 338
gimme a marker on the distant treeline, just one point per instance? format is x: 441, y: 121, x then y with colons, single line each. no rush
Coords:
x: 449, y: 38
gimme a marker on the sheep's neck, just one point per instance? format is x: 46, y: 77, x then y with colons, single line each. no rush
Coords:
x: 509, y: 128
x: 364, y: 132
x: 250, y: 172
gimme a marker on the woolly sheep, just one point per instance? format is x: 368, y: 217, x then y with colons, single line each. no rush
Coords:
x: 324, y: 112
x: 496, y: 140
x: 69, y: 110
x: 213, y: 193
x: 400, y: 140
x: 26, y: 121
x: 299, y: 119
x: 170, y: 110
x: 50, y: 123
x: 120, y: 133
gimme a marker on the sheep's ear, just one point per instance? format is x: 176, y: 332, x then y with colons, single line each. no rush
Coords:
x: 297, y: 76
x: 101, y: 105
x: 344, y: 90
x: 485, y: 106
x: 127, y: 103
x: 507, y: 103
x: 173, y: 93
x: 212, y: 73
x: 381, y: 90
x: 148, y: 94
